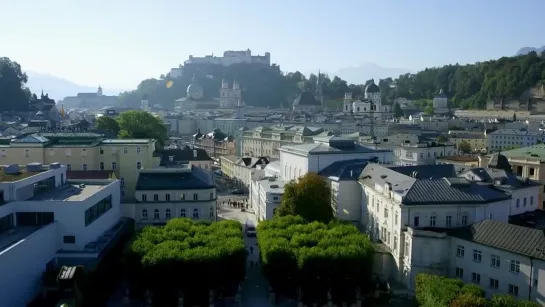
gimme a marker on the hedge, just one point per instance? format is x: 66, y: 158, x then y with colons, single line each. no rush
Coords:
x: 314, y: 258
x: 438, y: 291
x: 190, y: 256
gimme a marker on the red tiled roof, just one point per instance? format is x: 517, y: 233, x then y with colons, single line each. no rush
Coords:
x: 89, y: 174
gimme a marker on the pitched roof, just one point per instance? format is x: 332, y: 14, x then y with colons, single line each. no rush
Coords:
x: 427, y: 171
x: 414, y: 191
x: 345, y: 170
x: 535, y: 152
x: 512, y: 238
x: 193, y: 179
x: 181, y: 156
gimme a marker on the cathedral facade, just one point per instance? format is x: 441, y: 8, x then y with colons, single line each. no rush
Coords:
x: 370, y: 106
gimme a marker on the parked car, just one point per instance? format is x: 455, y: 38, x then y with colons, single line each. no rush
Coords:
x: 250, y: 228
x: 238, y: 192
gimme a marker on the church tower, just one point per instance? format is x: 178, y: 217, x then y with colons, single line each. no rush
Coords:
x: 99, y: 91
x: 347, y: 103
x: 240, y: 109
x: 319, y: 95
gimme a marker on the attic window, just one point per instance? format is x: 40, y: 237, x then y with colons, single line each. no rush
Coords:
x: 171, y: 158
x: 383, y: 176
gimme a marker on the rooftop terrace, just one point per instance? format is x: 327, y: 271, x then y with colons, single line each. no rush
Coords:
x: 70, y: 192
x: 22, y: 173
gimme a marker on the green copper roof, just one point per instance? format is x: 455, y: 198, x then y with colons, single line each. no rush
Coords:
x: 535, y: 152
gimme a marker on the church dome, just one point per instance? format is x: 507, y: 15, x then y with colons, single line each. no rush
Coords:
x: 194, y: 90
x: 372, y: 88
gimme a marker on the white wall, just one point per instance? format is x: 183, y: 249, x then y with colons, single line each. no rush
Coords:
x: 23, y: 264
x: 348, y: 195
x: 529, y: 270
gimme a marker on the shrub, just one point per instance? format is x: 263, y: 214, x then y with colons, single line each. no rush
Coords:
x: 314, y: 257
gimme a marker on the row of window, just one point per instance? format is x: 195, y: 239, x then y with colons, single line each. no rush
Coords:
x: 101, y: 166
x: 168, y: 197
x: 97, y: 210
x: 83, y: 153
x: 168, y: 214
x: 495, y: 261
x: 492, y: 283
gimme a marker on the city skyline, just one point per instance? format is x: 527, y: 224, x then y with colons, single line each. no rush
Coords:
x: 119, y: 44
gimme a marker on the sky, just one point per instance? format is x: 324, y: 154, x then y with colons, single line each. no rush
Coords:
x: 118, y: 43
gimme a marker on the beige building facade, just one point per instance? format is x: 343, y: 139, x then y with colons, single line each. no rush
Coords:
x: 84, y: 151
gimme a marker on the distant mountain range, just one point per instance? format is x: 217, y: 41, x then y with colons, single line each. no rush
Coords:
x: 58, y: 88
x: 360, y: 74
x: 527, y: 50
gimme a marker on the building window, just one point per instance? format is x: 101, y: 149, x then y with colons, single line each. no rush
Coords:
x: 144, y: 197
x: 195, y: 213
x: 167, y: 197
x: 114, y: 166
x: 27, y: 153
x: 448, y: 221
x: 195, y: 196
x: 101, y: 166
x: 182, y: 197
x: 156, y: 214
x: 84, y: 167
x: 464, y: 220
x: 69, y: 239
x: 155, y: 197
x: 122, y: 182
x: 68, y: 167
x: 432, y: 220
x: 531, y: 200
x: 125, y: 151
x: 460, y: 273
x: 396, y: 217
x: 395, y: 243
x: 84, y: 152
x: 494, y: 283
x: 137, y: 150
x: 68, y: 152
x: 460, y: 251
x: 211, y: 195
x: 144, y: 214
x: 167, y: 214
x: 385, y: 213
x: 138, y: 165
x: 477, y: 255
x: 416, y: 221
x: 211, y: 212
x: 524, y: 202
x: 515, y: 266
x: 518, y: 202
x: 182, y: 213
x: 476, y: 278
x: 495, y: 261
x: 531, y: 171
x: 513, y: 290
x: 101, y: 151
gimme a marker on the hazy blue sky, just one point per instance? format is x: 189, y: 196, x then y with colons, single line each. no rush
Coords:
x: 117, y: 43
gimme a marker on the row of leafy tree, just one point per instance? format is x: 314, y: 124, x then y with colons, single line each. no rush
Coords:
x: 468, y: 86
x: 439, y: 291
x: 186, y: 258
x: 134, y: 125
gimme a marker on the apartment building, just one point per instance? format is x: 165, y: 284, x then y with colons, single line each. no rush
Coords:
x: 421, y: 153
x: 243, y: 168
x: 48, y: 221
x: 512, y: 138
x: 84, y: 151
x: 475, y: 139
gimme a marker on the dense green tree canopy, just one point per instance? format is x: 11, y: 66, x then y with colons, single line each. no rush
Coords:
x: 14, y: 96
x: 138, y: 125
x: 314, y: 258
x: 309, y: 197
x: 109, y: 124
x: 468, y: 86
x: 186, y: 255
x: 439, y: 291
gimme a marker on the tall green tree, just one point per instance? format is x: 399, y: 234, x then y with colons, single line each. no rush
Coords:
x: 109, y: 124
x: 309, y: 197
x: 14, y: 96
x: 465, y: 147
x: 398, y: 112
x: 141, y: 125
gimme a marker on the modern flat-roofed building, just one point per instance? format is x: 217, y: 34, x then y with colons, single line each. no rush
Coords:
x: 47, y: 220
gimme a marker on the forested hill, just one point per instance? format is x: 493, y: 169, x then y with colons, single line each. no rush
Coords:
x: 468, y: 86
